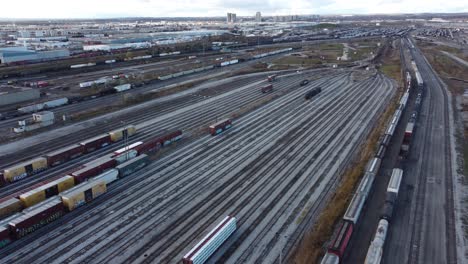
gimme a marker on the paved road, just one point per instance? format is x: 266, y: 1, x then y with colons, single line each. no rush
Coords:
x: 422, y: 230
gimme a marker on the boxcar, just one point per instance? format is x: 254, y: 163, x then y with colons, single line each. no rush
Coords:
x: 129, y: 147
x: 64, y: 154
x: 35, y: 217
x: 119, y: 134
x: 132, y: 165
x: 220, y: 126
x: 83, y: 194
x: 93, y: 168
x: 10, y: 206
x: 211, y: 242
x: 108, y: 176
x: 354, y: 208
x: 48, y: 190
x: 96, y: 143
x: 24, y: 169
x: 267, y: 89
x: 340, y: 239
x: 330, y: 258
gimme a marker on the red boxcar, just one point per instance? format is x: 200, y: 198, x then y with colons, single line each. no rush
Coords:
x: 220, y: 126
x: 64, y: 154
x: 96, y: 143
x: 156, y: 143
x: 171, y: 137
x: 268, y: 88
x: 93, y: 168
x: 35, y: 217
x: 341, y: 239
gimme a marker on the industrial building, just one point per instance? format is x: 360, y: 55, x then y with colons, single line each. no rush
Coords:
x: 16, y: 54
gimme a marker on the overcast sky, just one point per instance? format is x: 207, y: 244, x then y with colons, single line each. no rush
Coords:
x: 175, y: 8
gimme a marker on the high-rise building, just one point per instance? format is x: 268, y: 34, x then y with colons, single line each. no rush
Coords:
x: 258, y: 17
x: 231, y: 18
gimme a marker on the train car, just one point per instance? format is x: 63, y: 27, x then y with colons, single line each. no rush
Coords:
x: 64, y: 154
x: 108, y: 176
x: 404, y: 99
x: 120, y: 133
x: 127, y: 148
x: 408, y: 80
x: 391, y: 129
x: 47, y: 190
x: 419, y: 80
x: 95, y: 143
x: 330, y: 258
x: 395, y: 181
x: 220, y: 126
x: 267, y: 89
x: 127, y: 155
x: 272, y: 78
x: 211, y: 242
x: 387, y: 210
x: 36, y: 217
x: 365, y: 185
x: 304, y: 82
x: 409, y: 131
x: 5, y: 234
x: 171, y: 137
x: 93, y: 168
x: 24, y: 169
x: 132, y: 165
x: 381, y: 152
x: 340, y: 239
x: 10, y: 206
x: 386, y: 140
x: 312, y: 93
x: 83, y: 194
x: 355, y: 208
x: 375, y: 252
x: 373, y: 165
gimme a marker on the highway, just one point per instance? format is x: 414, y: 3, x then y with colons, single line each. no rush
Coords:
x: 272, y: 170
x: 423, y: 228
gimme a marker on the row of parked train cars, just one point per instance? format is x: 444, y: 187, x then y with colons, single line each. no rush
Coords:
x: 26, y: 211
x: 337, y: 246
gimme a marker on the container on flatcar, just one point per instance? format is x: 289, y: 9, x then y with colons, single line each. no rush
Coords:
x: 64, y: 154
x: 132, y: 165
x: 24, y: 169
x: 48, y: 190
x: 10, y: 206
x: 35, y: 217
x: 83, y: 194
x: 96, y: 143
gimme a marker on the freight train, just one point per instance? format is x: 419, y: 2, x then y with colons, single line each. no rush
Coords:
x: 49, y: 200
x: 338, y: 245
x: 30, y: 167
x: 312, y: 93
x: 220, y: 126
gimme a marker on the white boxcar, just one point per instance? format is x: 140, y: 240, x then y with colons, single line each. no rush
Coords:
x: 395, y: 181
x: 375, y: 252
x: 123, y: 87
x: 330, y: 258
x: 211, y: 242
x: 108, y: 176
x: 355, y: 207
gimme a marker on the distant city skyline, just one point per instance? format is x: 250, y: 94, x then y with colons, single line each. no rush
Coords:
x: 210, y: 8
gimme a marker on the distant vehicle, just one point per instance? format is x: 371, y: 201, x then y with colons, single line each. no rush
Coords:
x: 272, y: 78
x: 267, y: 89
x: 304, y: 82
x: 312, y: 93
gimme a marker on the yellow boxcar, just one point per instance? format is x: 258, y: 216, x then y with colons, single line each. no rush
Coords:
x: 82, y: 194
x: 117, y: 135
x: 24, y: 169
x: 43, y: 192
x: 10, y: 207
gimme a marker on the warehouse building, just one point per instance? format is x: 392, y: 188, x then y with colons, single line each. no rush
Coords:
x: 17, y: 54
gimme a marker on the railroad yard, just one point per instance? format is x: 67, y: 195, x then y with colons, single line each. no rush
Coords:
x: 321, y: 145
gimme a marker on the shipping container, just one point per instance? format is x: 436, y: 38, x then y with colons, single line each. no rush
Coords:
x: 35, y: 217
x: 24, y: 169
x: 83, y: 194
x: 211, y: 242
x: 64, y: 154
x: 45, y: 191
x: 43, y: 116
x: 10, y: 206
x: 108, y: 176
x: 93, y: 168
x: 132, y: 165
x: 96, y: 143
x: 340, y: 239
x: 220, y: 126
x: 120, y: 133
